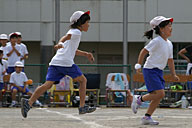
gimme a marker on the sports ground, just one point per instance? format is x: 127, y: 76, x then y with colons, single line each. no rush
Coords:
x: 102, y: 118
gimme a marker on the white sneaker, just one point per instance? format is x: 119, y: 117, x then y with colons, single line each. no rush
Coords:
x: 146, y: 120
x: 135, y: 104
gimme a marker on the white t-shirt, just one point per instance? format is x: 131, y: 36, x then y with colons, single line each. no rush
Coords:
x: 2, y: 69
x: 18, y: 78
x: 14, y: 57
x: 64, y: 56
x: 159, y: 53
x: 23, y: 51
x: 4, y: 51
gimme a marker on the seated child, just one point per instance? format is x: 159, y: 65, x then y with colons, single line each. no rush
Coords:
x: 18, y: 81
x: 2, y: 73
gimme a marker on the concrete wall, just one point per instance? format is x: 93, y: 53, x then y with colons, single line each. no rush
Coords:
x: 35, y: 18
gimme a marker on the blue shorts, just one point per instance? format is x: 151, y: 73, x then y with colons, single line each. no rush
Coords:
x: 55, y: 73
x: 153, y: 79
x: 1, y: 86
x: 26, y: 89
x: 10, y: 70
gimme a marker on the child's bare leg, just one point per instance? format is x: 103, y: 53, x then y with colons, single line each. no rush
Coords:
x: 82, y: 89
x: 155, y: 98
x: 152, y: 107
x: 155, y: 95
x: 39, y: 91
x: 14, y: 95
x: 1, y: 96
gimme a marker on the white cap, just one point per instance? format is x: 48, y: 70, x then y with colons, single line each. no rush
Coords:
x: 3, y: 37
x: 18, y: 33
x: 158, y: 19
x: 19, y: 64
x: 76, y: 15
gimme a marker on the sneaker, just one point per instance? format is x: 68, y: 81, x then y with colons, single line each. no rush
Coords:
x: 147, y: 120
x: 86, y: 109
x: 12, y: 105
x: 25, y: 107
x: 135, y: 104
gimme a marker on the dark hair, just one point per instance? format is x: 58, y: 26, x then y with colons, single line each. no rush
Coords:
x: 14, y: 35
x: 1, y: 52
x: 149, y: 34
x: 80, y: 21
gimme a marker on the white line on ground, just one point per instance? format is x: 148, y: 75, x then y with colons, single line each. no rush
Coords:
x: 89, y: 123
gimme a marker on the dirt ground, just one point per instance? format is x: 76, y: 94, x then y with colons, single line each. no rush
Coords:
x: 101, y: 118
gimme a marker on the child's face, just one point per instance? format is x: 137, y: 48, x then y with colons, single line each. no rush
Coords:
x: 167, y: 30
x: 19, y: 40
x: 3, y: 42
x: 85, y: 26
x: 18, y: 69
x: 13, y: 40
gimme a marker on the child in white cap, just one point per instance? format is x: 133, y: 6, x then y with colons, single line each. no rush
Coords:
x: 160, y: 51
x: 13, y: 52
x: 63, y: 63
x: 24, y: 51
x: 18, y: 81
x: 3, y: 41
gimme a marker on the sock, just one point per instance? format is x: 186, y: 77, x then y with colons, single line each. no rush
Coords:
x: 141, y: 99
x: 147, y: 115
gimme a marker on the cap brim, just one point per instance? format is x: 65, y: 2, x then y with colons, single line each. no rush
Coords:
x: 88, y: 12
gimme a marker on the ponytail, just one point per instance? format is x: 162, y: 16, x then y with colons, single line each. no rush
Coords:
x: 149, y: 34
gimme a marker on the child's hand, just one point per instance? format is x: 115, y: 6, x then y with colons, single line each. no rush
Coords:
x: 90, y: 57
x: 139, y: 71
x: 58, y: 46
x: 176, y: 78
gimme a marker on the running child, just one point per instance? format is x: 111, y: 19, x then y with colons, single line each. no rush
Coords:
x: 160, y: 51
x: 63, y: 63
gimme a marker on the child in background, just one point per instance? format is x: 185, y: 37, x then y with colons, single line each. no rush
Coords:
x: 160, y: 51
x: 18, y: 81
x: 3, y: 41
x: 13, y: 52
x: 2, y: 73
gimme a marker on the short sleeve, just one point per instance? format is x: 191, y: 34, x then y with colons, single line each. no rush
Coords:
x: 152, y: 45
x: 74, y: 32
x: 25, y: 78
x: 11, y: 79
x: 171, y: 51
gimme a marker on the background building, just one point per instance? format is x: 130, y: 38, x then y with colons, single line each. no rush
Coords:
x: 35, y: 20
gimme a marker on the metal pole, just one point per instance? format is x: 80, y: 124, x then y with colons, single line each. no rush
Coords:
x: 125, y: 34
x: 57, y: 21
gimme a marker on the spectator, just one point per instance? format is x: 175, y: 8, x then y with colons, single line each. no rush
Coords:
x: 2, y: 73
x: 186, y: 53
x: 18, y: 81
x: 13, y: 52
x: 3, y: 41
x: 24, y: 51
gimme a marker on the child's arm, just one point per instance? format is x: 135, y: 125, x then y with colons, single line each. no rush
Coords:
x: 17, y: 52
x: 62, y: 40
x: 9, y: 54
x: 182, y: 54
x: 141, y: 57
x: 25, y: 85
x: 86, y: 54
x: 172, y: 68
